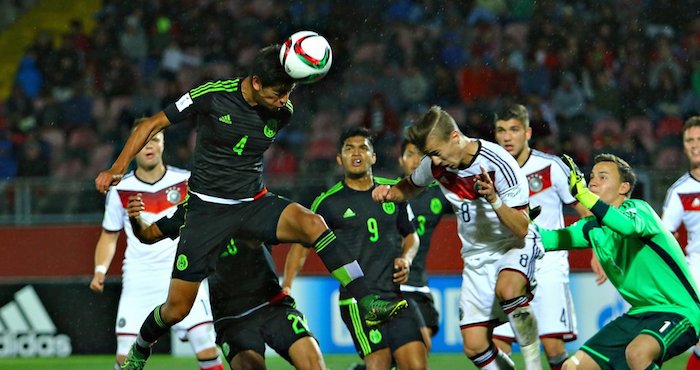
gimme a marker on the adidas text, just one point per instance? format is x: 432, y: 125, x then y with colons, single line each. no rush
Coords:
x: 32, y: 345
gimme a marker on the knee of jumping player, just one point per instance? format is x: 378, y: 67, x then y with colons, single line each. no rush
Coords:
x: 181, y: 297
x: 173, y: 313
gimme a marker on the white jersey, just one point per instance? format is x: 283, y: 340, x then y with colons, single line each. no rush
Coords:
x: 682, y: 205
x: 548, y: 180
x: 478, y: 225
x: 160, y: 199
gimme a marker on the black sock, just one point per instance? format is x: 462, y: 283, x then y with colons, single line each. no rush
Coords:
x: 152, y: 329
x: 340, y: 264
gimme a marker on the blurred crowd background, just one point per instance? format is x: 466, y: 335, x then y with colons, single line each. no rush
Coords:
x: 597, y: 76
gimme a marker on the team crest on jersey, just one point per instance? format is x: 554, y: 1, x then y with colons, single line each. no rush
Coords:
x: 375, y: 336
x: 270, y: 129
x: 435, y: 206
x: 389, y: 208
x: 173, y: 195
x: 540, y: 180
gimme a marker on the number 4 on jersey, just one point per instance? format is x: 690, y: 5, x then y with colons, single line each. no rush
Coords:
x: 238, y: 148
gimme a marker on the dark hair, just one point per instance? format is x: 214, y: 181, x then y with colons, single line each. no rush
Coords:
x: 512, y: 111
x: 623, y: 168
x: 436, y: 122
x: 268, y: 68
x: 355, y: 131
x: 693, y: 121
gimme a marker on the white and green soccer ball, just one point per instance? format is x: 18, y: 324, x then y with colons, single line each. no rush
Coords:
x: 306, y: 56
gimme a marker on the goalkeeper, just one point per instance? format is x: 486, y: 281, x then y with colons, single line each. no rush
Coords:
x: 642, y: 260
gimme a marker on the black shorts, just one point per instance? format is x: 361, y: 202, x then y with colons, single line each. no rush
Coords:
x: 674, y: 333
x: 278, y: 326
x: 401, y: 329
x: 209, y: 226
x: 426, y: 306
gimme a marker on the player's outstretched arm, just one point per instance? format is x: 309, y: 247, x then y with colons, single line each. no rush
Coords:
x: 570, y: 237
x: 144, y: 232
x: 142, y: 134
x: 400, y: 192
x: 296, y: 258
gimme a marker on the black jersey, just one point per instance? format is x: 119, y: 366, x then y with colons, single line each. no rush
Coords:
x: 244, y: 278
x: 373, y: 232
x: 231, y: 138
x: 428, y: 208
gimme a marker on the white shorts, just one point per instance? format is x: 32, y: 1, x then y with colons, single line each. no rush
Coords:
x: 552, y: 304
x: 478, y: 305
x: 143, y: 291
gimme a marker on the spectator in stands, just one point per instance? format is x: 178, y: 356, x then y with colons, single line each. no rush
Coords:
x: 29, y: 77
x: 8, y: 163
x: 33, y: 160
x: 133, y: 41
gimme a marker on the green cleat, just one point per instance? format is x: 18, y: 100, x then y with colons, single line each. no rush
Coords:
x: 378, y: 310
x: 135, y: 360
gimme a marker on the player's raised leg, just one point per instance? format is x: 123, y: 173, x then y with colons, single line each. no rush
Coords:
x: 299, y: 224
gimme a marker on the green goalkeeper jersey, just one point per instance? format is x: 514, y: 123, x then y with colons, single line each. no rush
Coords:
x: 641, y: 258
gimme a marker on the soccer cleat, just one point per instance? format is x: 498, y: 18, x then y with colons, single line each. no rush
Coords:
x: 378, y: 310
x: 135, y: 360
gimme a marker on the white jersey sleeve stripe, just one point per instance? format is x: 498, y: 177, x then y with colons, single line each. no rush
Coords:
x: 505, y: 169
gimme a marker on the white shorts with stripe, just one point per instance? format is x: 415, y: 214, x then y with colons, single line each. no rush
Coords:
x: 142, y: 291
x: 478, y: 303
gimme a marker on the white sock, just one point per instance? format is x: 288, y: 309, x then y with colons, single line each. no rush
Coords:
x: 524, y: 324
x: 531, y: 356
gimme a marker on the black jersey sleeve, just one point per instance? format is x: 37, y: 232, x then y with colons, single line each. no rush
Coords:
x: 170, y: 226
x: 404, y: 223
x: 323, y: 210
x: 187, y: 106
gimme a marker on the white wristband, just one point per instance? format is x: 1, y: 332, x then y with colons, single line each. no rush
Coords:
x: 101, y: 268
x: 496, y: 204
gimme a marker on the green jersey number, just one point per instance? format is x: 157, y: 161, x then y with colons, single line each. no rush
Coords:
x: 298, y: 323
x: 421, y: 225
x: 238, y: 148
x: 373, y: 229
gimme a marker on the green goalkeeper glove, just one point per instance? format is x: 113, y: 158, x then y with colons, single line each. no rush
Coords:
x: 577, y: 184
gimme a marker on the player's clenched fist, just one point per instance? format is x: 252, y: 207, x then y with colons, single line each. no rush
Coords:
x: 134, y: 205
x: 97, y: 284
x: 106, y: 179
x: 382, y: 193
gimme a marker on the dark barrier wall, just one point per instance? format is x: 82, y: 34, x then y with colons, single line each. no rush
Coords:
x: 47, y: 318
x: 68, y: 250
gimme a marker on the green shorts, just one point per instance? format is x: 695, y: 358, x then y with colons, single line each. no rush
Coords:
x: 674, y: 333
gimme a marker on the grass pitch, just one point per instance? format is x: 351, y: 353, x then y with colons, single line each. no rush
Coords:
x: 455, y: 361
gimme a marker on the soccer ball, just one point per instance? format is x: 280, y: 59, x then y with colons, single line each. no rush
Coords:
x: 306, y: 56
